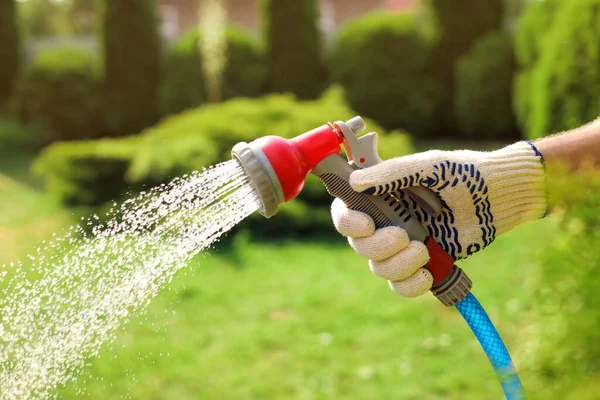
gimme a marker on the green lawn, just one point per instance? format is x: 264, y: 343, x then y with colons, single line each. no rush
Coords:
x: 27, y: 216
x: 294, y: 320
x: 309, y: 321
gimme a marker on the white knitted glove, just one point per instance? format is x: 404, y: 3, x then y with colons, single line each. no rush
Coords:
x: 483, y: 195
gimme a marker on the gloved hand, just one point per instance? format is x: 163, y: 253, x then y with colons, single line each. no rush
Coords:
x: 483, y: 195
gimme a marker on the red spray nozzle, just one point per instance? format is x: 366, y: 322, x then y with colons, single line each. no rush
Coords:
x: 293, y: 159
x: 278, y: 167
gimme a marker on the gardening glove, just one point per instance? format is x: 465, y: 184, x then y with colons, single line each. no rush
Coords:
x: 483, y: 194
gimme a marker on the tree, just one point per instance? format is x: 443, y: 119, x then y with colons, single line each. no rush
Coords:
x: 532, y: 31
x: 294, y: 56
x: 457, y: 25
x: 389, y: 83
x: 566, y: 80
x: 484, y: 79
x: 131, y: 49
x: 59, y: 87
x: 9, y: 49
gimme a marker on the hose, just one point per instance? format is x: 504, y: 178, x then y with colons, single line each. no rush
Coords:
x: 492, y: 344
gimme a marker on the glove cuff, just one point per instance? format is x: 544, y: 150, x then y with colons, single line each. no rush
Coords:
x: 517, y: 186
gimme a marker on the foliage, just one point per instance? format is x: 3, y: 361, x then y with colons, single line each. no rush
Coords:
x: 60, y: 89
x: 457, y: 24
x: 43, y: 18
x: 389, y: 82
x: 565, y: 311
x: 484, y: 78
x: 86, y: 172
x: 16, y: 136
x: 532, y: 29
x: 183, y: 86
x: 293, y: 41
x: 566, y: 81
x: 199, y: 138
x: 131, y: 46
x: 9, y: 49
x: 50, y: 18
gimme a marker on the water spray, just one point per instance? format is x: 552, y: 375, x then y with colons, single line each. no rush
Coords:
x: 278, y: 167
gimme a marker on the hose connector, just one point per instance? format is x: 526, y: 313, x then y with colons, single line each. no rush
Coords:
x: 455, y: 287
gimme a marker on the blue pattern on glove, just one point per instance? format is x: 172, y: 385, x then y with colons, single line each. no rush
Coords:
x: 449, y: 175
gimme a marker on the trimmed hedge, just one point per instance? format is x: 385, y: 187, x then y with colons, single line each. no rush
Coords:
x: 484, y: 78
x: 294, y: 55
x: 196, y: 139
x: 87, y: 173
x: 381, y: 61
x: 566, y: 81
x: 131, y: 45
x: 458, y: 24
x: 14, y: 135
x: 9, y: 49
x: 60, y: 89
x: 183, y: 84
x: 532, y: 30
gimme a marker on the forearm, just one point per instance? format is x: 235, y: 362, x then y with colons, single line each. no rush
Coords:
x: 576, y: 147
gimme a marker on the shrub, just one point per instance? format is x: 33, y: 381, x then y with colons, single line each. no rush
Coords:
x: 14, y: 135
x: 566, y: 82
x: 532, y: 29
x: 457, y: 25
x: 563, y: 349
x: 131, y: 64
x: 206, y: 135
x: 9, y: 50
x: 484, y: 89
x: 201, y: 137
x: 60, y: 89
x: 293, y: 41
x: 389, y: 82
x: 183, y: 86
x: 86, y: 172
x: 42, y: 18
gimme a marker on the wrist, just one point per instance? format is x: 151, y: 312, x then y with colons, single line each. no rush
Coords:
x: 517, y: 190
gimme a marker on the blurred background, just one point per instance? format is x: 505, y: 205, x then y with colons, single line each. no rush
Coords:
x: 100, y: 99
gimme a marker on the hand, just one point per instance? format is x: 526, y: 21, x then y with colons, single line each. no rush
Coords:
x: 483, y: 195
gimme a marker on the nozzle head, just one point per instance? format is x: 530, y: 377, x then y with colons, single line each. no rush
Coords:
x: 260, y: 172
x: 278, y: 167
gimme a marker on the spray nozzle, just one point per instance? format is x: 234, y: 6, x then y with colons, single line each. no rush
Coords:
x: 278, y: 167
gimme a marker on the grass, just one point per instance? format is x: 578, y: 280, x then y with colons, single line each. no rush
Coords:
x: 27, y: 216
x: 309, y: 321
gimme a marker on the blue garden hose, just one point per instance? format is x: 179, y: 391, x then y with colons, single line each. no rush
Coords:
x: 492, y: 344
